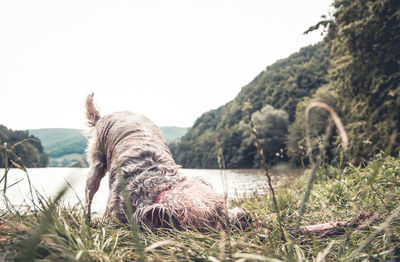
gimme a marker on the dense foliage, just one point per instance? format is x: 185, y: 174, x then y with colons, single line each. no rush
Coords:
x: 361, y: 51
x: 281, y: 86
x: 365, y: 42
x: 21, y: 148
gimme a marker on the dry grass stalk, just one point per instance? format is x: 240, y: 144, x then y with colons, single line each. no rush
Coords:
x: 264, y: 163
x: 323, y: 146
x: 336, y: 120
x: 10, y: 151
x: 222, y: 167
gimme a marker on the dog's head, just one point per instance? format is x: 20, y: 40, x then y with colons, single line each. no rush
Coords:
x: 192, y: 204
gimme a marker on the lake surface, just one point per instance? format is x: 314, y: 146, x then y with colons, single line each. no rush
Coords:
x: 48, y: 181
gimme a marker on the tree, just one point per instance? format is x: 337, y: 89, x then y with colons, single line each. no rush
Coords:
x: 22, y: 148
x: 272, y: 126
x: 364, y: 39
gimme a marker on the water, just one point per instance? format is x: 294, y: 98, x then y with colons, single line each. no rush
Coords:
x: 48, y: 181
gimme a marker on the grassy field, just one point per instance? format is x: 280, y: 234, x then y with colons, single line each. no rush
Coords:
x: 56, y: 232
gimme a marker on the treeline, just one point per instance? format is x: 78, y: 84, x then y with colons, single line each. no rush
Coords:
x: 21, y: 148
x: 355, y: 71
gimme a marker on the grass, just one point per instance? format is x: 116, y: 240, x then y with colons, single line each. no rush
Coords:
x: 57, y: 232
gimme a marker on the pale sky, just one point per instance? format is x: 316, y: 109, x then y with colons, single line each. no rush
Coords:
x: 169, y: 60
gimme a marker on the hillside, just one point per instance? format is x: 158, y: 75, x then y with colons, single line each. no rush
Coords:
x: 173, y: 133
x: 279, y: 89
x: 66, y: 147
x: 355, y: 71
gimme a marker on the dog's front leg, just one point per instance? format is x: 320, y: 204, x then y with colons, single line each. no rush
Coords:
x: 96, y: 173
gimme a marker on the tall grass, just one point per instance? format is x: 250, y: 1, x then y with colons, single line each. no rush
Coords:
x: 7, y: 152
x: 132, y: 223
x: 225, y: 246
x: 58, y: 232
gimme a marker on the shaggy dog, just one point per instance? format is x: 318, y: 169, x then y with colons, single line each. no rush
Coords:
x: 144, y: 179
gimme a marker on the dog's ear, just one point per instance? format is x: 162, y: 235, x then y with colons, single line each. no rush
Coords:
x: 157, y: 216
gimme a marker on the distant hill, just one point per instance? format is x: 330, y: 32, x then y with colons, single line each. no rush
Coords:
x: 66, y: 147
x: 61, y: 141
x: 173, y: 133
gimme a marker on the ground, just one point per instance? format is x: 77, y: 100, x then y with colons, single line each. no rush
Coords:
x: 57, y: 232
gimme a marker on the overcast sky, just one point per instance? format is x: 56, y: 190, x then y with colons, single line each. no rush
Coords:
x: 170, y: 60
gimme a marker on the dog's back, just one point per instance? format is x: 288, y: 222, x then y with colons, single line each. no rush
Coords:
x: 125, y: 136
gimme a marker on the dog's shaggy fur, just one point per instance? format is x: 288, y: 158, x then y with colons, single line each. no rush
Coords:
x: 132, y: 150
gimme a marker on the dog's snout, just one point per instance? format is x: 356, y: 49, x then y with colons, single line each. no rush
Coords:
x: 245, y: 220
x: 240, y: 218
x: 246, y: 216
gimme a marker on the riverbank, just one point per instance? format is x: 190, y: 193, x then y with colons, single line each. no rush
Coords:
x: 58, y: 232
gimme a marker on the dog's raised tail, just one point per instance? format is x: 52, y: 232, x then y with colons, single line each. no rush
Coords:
x: 92, y: 113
